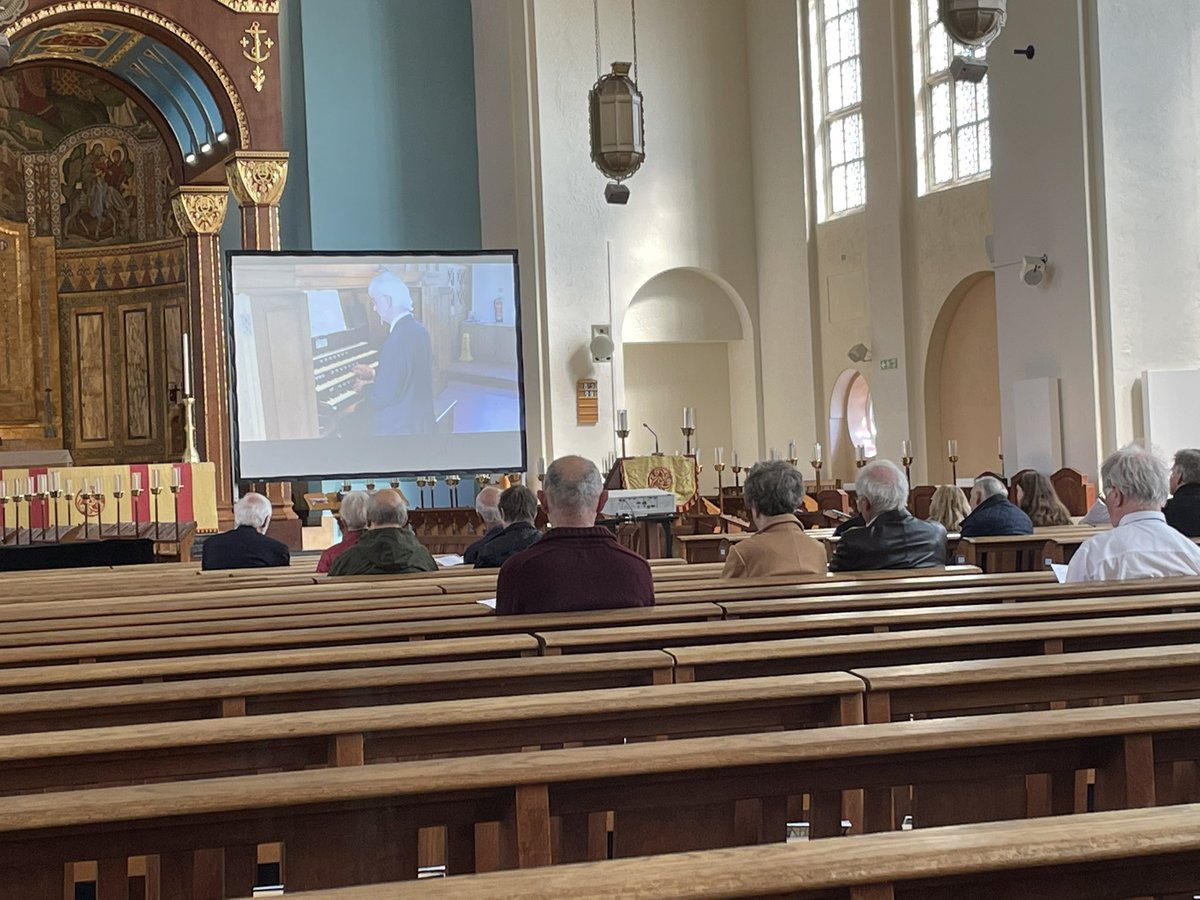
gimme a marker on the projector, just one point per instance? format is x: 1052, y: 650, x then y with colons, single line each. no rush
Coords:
x: 639, y: 503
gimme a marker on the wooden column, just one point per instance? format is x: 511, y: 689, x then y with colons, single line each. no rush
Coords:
x: 257, y: 179
x: 200, y: 211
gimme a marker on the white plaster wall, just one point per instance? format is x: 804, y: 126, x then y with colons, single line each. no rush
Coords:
x: 1040, y: 204
x: 1150, y: 89
x: 692, y: 202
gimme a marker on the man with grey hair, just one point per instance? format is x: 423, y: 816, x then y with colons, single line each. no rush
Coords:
x: 400, y: 390
x: 577, y: 565
x: 352, y: 512
x: 389, y: 546
x: 774, y: 491
x: 1183, y: 509
x: 992, y: 513
x: 247, y: 545
x: 487, y: 507
x: 892, y: 538
x: 518, y: 510
x: 1141, y: 544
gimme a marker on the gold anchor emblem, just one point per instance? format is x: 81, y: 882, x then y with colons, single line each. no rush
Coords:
x: 256, y: 47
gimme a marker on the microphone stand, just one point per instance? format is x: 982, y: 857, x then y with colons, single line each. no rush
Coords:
x: 657, y: 452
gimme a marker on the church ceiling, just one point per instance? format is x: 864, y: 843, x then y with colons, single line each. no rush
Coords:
x: 164, y: 77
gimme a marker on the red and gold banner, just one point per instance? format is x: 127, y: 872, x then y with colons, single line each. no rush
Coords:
x: 197, y: 494
x: 676, y: 474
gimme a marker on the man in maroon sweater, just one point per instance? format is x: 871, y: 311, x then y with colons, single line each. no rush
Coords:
x: 576, y: 565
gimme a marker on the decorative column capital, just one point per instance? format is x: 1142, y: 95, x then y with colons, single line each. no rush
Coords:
x: 257, y: 177
x: 200, y: 209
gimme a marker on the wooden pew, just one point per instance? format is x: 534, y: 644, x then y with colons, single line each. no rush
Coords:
x: 1123, y: 853
x: 357, y: 824
x: 1017, y: 553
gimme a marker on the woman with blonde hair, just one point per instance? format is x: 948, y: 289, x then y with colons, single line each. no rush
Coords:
x: 1036, y: 495
x: 949, y: 506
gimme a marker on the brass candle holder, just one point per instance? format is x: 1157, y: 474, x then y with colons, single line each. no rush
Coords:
x: 16, y: 502
x: 452, y: 482
x: 816, y: 464
x: 907, y: 462
x: 135, y: 493
x: 85, y: 494
x: 719, y: 468
x: 55, y: 493
x: 688, y: 431
x: 514, y: 478
x: 43, y: 496
x: 860, y: 462
x: 622, y: 433
x: 118, y: 495
x: 175, y: 489
x: 482, y: 479
x: 422, y: 483
x: 370, y: 486
x: 395, y: 483
x: 953, y: 469
x: 736, y: 469
x: 794, y: 461
x: 155, y: 491
x: 190, y: 453
x: 30, y: 495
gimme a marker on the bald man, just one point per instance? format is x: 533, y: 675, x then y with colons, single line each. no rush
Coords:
x: 576, y: 565
x: 389, y: 546
x: 487, y: 507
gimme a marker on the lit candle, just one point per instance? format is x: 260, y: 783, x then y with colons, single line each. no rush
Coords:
x: 41, y: 483
x: 792, y: 450
x: 622, y: 420
x: 906, y: 448
x: 154, y: 482
x: 187, y: 365
x: 816, y: 452
x: 137, y: 481
x: 175, y: 479
x: 952, y: 446
x: 720, y: 455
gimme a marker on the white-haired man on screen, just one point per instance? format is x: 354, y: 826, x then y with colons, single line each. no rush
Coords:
x: 399, y: 392
x: 247, y: 545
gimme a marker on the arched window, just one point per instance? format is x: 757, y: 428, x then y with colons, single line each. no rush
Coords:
x: 860, y: 416
x: 954, y: 138
x: 836, y: 59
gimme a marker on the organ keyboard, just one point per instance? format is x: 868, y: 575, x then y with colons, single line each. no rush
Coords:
x: 333, y: 370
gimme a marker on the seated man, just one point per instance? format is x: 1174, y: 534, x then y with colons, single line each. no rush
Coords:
x: 353, y: 514
x: 773, y: 492
x: 247, y: 545
x: 1141, y: 544
x: 487, y: 508
x: 992, y: 513
x: 389, y: 546
x: 1183, y: 509
x: 576, y: 565
x: 518, y: 509
x: 892, y: 538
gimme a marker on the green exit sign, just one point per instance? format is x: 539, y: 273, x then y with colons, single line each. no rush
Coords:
x: 891, y: 362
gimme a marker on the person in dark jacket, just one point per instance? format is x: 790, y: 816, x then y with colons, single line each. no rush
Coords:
x: 992, y: 513
x: 892, y: 538
x: 1183, y: 509
x: 518, y: 509
x: 487, y: 507
x: 247, y: 545
x: 388, y: 547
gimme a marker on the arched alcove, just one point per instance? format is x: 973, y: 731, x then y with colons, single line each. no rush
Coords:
x: 851, y: 423
x: 962, y: 380
x: 686, y: 341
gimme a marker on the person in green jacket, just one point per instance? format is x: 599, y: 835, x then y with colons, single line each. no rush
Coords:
x: 388, y: 546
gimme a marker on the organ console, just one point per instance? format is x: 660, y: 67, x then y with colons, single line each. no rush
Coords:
x: 334, y: 359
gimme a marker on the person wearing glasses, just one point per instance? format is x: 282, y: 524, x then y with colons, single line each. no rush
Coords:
x: 1141, y: 543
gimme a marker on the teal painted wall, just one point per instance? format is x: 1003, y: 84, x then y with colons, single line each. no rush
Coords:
x: 379, y: 104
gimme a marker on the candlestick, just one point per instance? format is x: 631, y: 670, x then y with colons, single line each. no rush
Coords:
x: 118, y: 495
x: 906, y: 459
x: 792, y: 454
x: 176, y: 477
x: 953, y: 469
x: 816, y: 463
x: 952, y: 448
x: 43, y: 484
x: 187, y: 365
x: 176, y: 487
x: 155, y: 490
x: 622, y: 433
x: 622, y: 420
x: 85, y: 495
x: 190, y: 453
x: 719, y: 467
x: 689, y: 417
x: 688, y: 431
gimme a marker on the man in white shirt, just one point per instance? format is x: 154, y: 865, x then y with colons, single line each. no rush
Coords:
x: 1141, y: 544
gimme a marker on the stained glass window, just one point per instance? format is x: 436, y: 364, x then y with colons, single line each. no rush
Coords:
x: 953, y: 132
x: 837, y: 71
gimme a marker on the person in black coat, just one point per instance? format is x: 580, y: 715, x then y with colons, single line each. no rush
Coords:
x: 1183, y: 509
x: 518, y: 509
x: 992, y: 513
x: 400, y: 391
x: 247, y: 545
x: 487, y: 507
x: 892, y: 538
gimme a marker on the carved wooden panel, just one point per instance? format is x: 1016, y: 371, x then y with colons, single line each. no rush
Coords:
x: 91, y: 376
x: 172, y: 331
x: 18, y: 337
x: 137, y: 375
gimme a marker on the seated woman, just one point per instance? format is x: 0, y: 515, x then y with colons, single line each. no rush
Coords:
x: 1036, y: 495
x: 774, y: 491
x: 949, y: 506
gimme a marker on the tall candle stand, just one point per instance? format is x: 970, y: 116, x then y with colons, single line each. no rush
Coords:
x: 119, y: 495
x: 44, y: 497
x: 623, y: 433
x: 452, y: 482
x: 719, y: 468
x: 907, y: 462
x: 135, y: 493
x: 99, y: 498
x: 155, y: 490
x: 85, y: 494
x: 1003, y: 474
x: 16, y: 502
x: 953, y: 469
x: 431, y: 483
x: 816, y: 464
x: 736, y: 469
x: 30, y: 494
x: 688, y: 431
x: 175, y: 489
x: 4, y: 516
x: 421, y: 489
x: 69, y: 496
x: 55, y: 493
x: 481, y: 480
x: 190, y: 453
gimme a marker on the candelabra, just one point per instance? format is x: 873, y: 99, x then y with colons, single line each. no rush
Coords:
x: 907, y: 462
x: 622, y: 433
x: 816, y: 464
x: 953, y: 469
x: 688, y: 431
x: 190, y: 454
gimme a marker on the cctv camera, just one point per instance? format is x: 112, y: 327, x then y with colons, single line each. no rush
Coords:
x: 1033, y: 269
x: 5, y: 50
x: 966, y: 68
x: 616, y: 193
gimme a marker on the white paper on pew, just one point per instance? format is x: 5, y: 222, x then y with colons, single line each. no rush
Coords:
x: 1060, y: 572
x: 490, y: 603
x: 449, y: 560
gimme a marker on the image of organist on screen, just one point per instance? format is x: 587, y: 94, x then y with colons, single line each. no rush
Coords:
x: 341, y: 348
